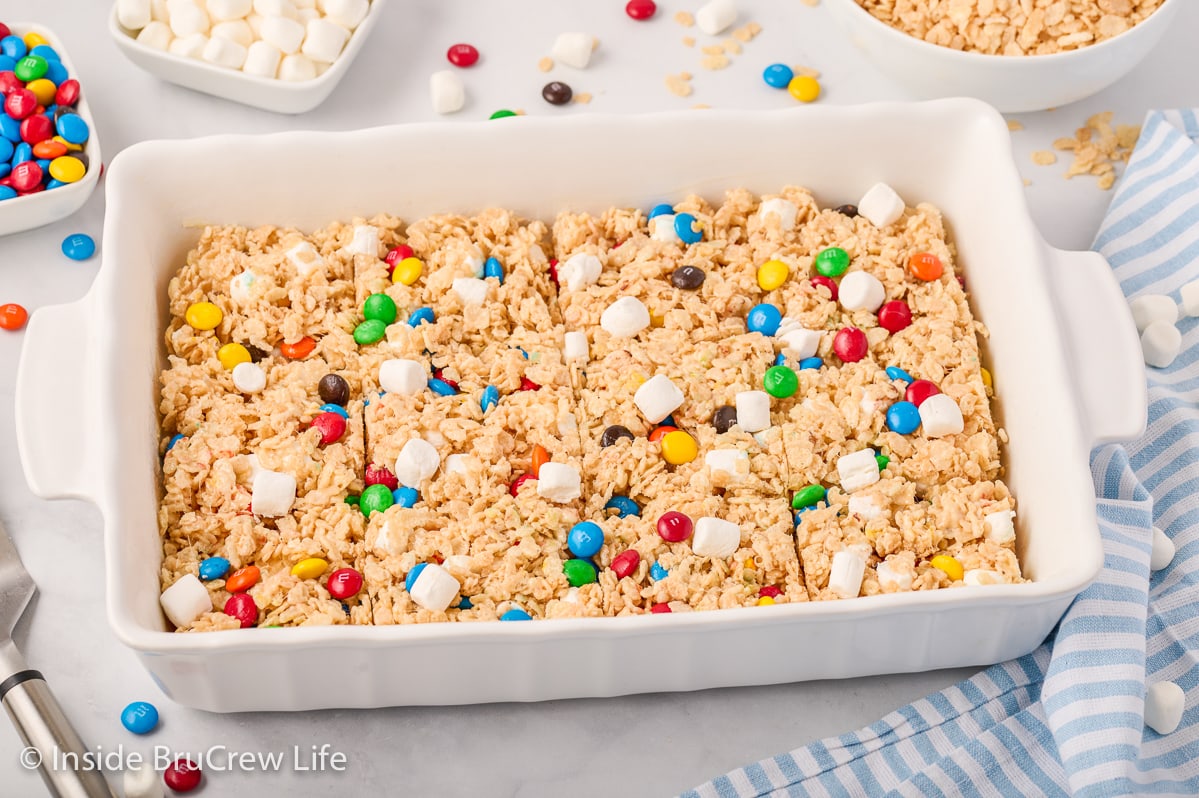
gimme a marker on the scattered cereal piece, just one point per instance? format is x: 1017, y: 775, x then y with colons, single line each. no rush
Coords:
x: 679, y: 85
x: 732, y: 46
x: 715, y: 62
x: 1098, y: 147
x: 806, y: 71
x: 700, y: 106
x: 684, y: 18
x: 1027, y: 182
x: 811, y: 3
x: 688, y: 41
x: 545, y: 64
x: 713, y: 49
x: 1014, y: 125
x: 1044, y: 157
x: 583, y: 97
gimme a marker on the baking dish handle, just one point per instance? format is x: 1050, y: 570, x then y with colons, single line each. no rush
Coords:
x: 54, y: 392
x: 1102, y: 344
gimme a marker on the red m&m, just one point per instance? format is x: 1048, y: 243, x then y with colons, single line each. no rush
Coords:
x: 462, y: 55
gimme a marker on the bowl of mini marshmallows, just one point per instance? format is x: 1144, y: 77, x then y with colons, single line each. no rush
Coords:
x: 279, y: 55
x: 1018, y: 55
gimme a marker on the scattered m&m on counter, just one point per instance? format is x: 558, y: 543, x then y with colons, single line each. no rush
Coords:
x: 13, y: 316
x: 140, y: 717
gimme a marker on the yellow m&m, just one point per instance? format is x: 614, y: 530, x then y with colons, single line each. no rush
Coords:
x: 203, y: 316
x: 67, y: 169
x: 804, y: 88
x: 233, y: 355
x: 678, y: 447
x: 310, y: 568
x: 407, y: 271
x: 950, y: 565
x: 772, y: 274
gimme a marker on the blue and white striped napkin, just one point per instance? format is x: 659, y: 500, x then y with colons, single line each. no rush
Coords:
x: 1068, y: 718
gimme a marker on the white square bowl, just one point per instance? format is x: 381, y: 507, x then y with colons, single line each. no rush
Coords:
x: 270, y: 94
x: 26, y: 213
x: 1067, y: 375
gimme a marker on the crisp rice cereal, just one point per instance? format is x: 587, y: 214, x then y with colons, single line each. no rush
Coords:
x: 1044, y: 157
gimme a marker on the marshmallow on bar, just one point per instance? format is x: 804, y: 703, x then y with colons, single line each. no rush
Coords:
x: 418, y: 461
x: 579, y: 271
x: 471, y: 290
x: 727, y: 465
x: 864, y: 506
x: 797, y: 341
x: 273, y: 493
x: 661, y: 228
x: 305, y: 258
x: 405, y: 377
x: 575, y: 347
x: 890, y: 576
x: 753, y: 410
x: 249, y: 377
x: 435, y: 588
x: 625, y: 317
x: 845, y: 575
x: 657, y: 398
x: 861, y: 291
x: 881, y: 205
x: 1000, y: 527
x: 857, y: 470
x: 940, y: 416
x: 715, y: 537
x: 559, y: 482
x: 785, y: 210
x: 365, y: 241
x: 185, y: 601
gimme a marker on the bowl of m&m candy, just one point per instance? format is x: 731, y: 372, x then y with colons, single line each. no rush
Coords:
x: 49, y: 153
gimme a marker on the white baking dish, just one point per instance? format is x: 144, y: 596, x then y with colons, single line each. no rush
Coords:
x: 1063, y: 351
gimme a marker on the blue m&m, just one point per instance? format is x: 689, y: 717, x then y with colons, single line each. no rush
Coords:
x: 764, y: 318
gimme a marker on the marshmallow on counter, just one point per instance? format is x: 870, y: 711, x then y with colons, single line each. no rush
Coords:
x: 324, y: 40
x: 305, y: 258
x: 715, y: 537
x: 753, y: 410
x: 559, y: 482
x: 237, y: 30
x: 185, y: 601
x: 189, y: 46
x: 891, y: 576
x: 661, y: 228
x: 1163, y: 551
x: 573, y: 49
x: 1000, y: 527
x: 857, y: 470
x: 579, y: 271
x: 797, y: 341
x: 273, y: 493
x: 347, y: 13
x: 282, y: 32
x: 224, y: 53
x: 784, y: 209
x: 1152, y: 307
x: 296, y: 68
x: 417, y: 462
x: 845, y: 575
x: 404, y: 377
x: 156, y: 35
x: 977, y: 577
x: 881, y: 205
x: 657, y: 398
x: 141, y: 781
x: 716, y: 16
x: 471, y: 290
x: 365, y: 241
x: 940, y: 416
x: 446, y: 91
x: 625, y: 317
x: 435, y: 588
x: 187, y: 18
x: 1164, y: 705
x: 1189, y: 294
x: 1160, y: 343
x: 861, y: 291
x: 134, y: 14
x: 262, y: 59
x: 575, y: 346
x: 731, y: 465
x: 864, y: 506
x: 229, y: 10
x: 249, y: 377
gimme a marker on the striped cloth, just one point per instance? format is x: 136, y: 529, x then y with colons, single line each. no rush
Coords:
x: 1067, y: 719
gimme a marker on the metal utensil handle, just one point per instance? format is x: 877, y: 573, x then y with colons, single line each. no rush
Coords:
x: 40, y: 721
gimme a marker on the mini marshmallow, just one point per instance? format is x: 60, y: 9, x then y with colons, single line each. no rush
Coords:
x: 625, y: 317
x: 579, y: 271
x: 716, y: 16
x: 189, y: 46
x: 417, y: 462
x: 785, y: 210
x: 559, y: 482
x: 225, y: 10
x: 185, y: 601
x: 141, y: 782
x: 305, y: 257
x: 187, y: 18
x: 575, y: 346
x: 365, y: 241
x: 1164, y: 704
x: 1153, y: 307
x: 715, y: 537
x: 324, y: 40
x: 254, y: 465
x: 296, y: 68
x: 273, y: 493
x: 237, y: 30
x: 728, y: 465
x: 156, y: 35
x: 657, y: 398
x: 1163, y: 551
x: 404, y: 377
x: 661, y: 228
x: 753, y: 410
x: 881, y: 205
x: 1160, y: 343
x: 845, y: 575
x: 134, y: 14
x: 861, y: 291
x: 1000, y: 527
x: 284, y: 33
x: 572, y: 596
x: 1189, y: 294
x: 471, y: 290
x: 262, y: 59
x: 249, y: 377
x: 797, y: 342
x: 976, y: 577
x: 435, y: 588
x: 347, y: 13
x: 158, y: 10
x: 892, y: 576
x: 255, y: 23
x: 304, y: 16
x: 857, y: 470
x: 224, y: 53
x: 458, y: 464
x: 864, y: 506
x: 940, y: 416
x: 447, y: 92
x: 573, y: 49
x: 275, y: 8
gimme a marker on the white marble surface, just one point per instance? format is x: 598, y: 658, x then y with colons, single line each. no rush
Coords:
x: 646, y: 745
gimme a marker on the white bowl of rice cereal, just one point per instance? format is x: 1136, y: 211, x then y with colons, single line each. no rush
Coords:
x: 1059, y: 52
